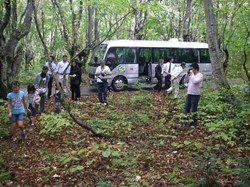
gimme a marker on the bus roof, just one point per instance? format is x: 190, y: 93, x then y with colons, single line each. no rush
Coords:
x: 172, y: 43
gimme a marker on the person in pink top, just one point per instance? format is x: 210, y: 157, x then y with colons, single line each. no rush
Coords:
x: 194, y: 79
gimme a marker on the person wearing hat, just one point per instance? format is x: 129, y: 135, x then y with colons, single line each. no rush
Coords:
x: 176, y: 75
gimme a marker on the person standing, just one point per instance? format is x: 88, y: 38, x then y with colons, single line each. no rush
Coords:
x: 159, y: 74
x: 175, y: 79
x: 41, y: 83
x: 194, y: 79
x: 52, y: 67
x: 75, y: 74
x: 16, y: 110
x: 168, y: 68
x: 60, y: 68
x: 80, y: 78
x: 33, y: 101
x: 102, y: 74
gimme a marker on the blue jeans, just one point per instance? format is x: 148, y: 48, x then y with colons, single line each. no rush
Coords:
x: 192, y: 104
x: 102, y: 91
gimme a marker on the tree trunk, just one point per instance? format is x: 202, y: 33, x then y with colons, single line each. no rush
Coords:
x: 97, y: 37
x: 187, y: 20
x: 10, y: 52
x: 216, y: 56
x: 90, y: 26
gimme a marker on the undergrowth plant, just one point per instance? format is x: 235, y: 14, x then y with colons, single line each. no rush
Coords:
x: 228, y: 121
x: 4, y: 124
x: 53, y: 123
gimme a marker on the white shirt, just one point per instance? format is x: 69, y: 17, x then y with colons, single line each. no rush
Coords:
x: 100, y: 70
x: 61, y: 66
x: 175, y: 73
x: 166, y: 68
x: 52, y: 69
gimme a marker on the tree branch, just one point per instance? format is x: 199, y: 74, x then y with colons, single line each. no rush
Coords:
x: 65, y: 30
x: 38, y: 30
x: 21, y: 31
x: 82, y: 124
x: 6, y: 18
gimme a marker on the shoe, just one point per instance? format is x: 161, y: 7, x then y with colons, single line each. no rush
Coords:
x: 104, y: 104
x: 14, y: 141
x: 23, y: 135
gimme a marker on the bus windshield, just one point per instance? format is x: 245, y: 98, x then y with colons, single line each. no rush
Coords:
x: 99, y: 54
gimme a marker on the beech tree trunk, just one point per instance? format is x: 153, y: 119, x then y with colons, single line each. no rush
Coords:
x: 187, y: 20
x: 90, y: 26
x: 216, y: 55
x: 10, y: 52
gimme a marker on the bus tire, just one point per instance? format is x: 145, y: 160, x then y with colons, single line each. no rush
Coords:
x: 119, y: 83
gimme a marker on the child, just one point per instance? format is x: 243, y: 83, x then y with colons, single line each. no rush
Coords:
x: 33, y: 103
x: 16, y: 110
x: 57, y: 96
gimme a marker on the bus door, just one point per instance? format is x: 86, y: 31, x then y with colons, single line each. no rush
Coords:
x: 122, y: 62
x: 145, y: 62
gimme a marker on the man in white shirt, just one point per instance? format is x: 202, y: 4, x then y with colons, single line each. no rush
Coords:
x: 167, y: 69
x: 60, y: 68
x: 52, y: 67
x: 175, y: 79
x: 102, y: 74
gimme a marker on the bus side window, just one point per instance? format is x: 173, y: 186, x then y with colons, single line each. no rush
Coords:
x: 158, y: 53
x: 188, y: 55
x: 204, y: 56
x: 129, y: 55
x: 171, y: 52
x: 111, y: 56
x: 120, y: 55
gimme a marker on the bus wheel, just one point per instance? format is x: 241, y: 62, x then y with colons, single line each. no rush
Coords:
x: 119, y: 83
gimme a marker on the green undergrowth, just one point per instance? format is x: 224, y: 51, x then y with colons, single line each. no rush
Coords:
x: 147, y: 148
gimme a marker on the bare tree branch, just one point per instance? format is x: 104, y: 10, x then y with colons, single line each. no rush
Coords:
x: 38, y: 30
x: 65, y: 30
x: 66, y: 106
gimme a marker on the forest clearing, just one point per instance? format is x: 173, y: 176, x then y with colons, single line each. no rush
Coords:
x: 162, y: 136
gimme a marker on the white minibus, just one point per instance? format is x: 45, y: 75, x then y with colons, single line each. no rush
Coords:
x: 131, y: 60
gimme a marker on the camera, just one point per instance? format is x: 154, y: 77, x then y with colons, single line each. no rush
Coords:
x: 189, y: 71
x: 103, y: 74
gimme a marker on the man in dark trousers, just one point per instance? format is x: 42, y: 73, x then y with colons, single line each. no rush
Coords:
x: 159, y: 74
x: 52, y: 66
x: 168, y: 67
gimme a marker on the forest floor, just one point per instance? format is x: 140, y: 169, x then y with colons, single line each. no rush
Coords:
x: 147, y: 147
